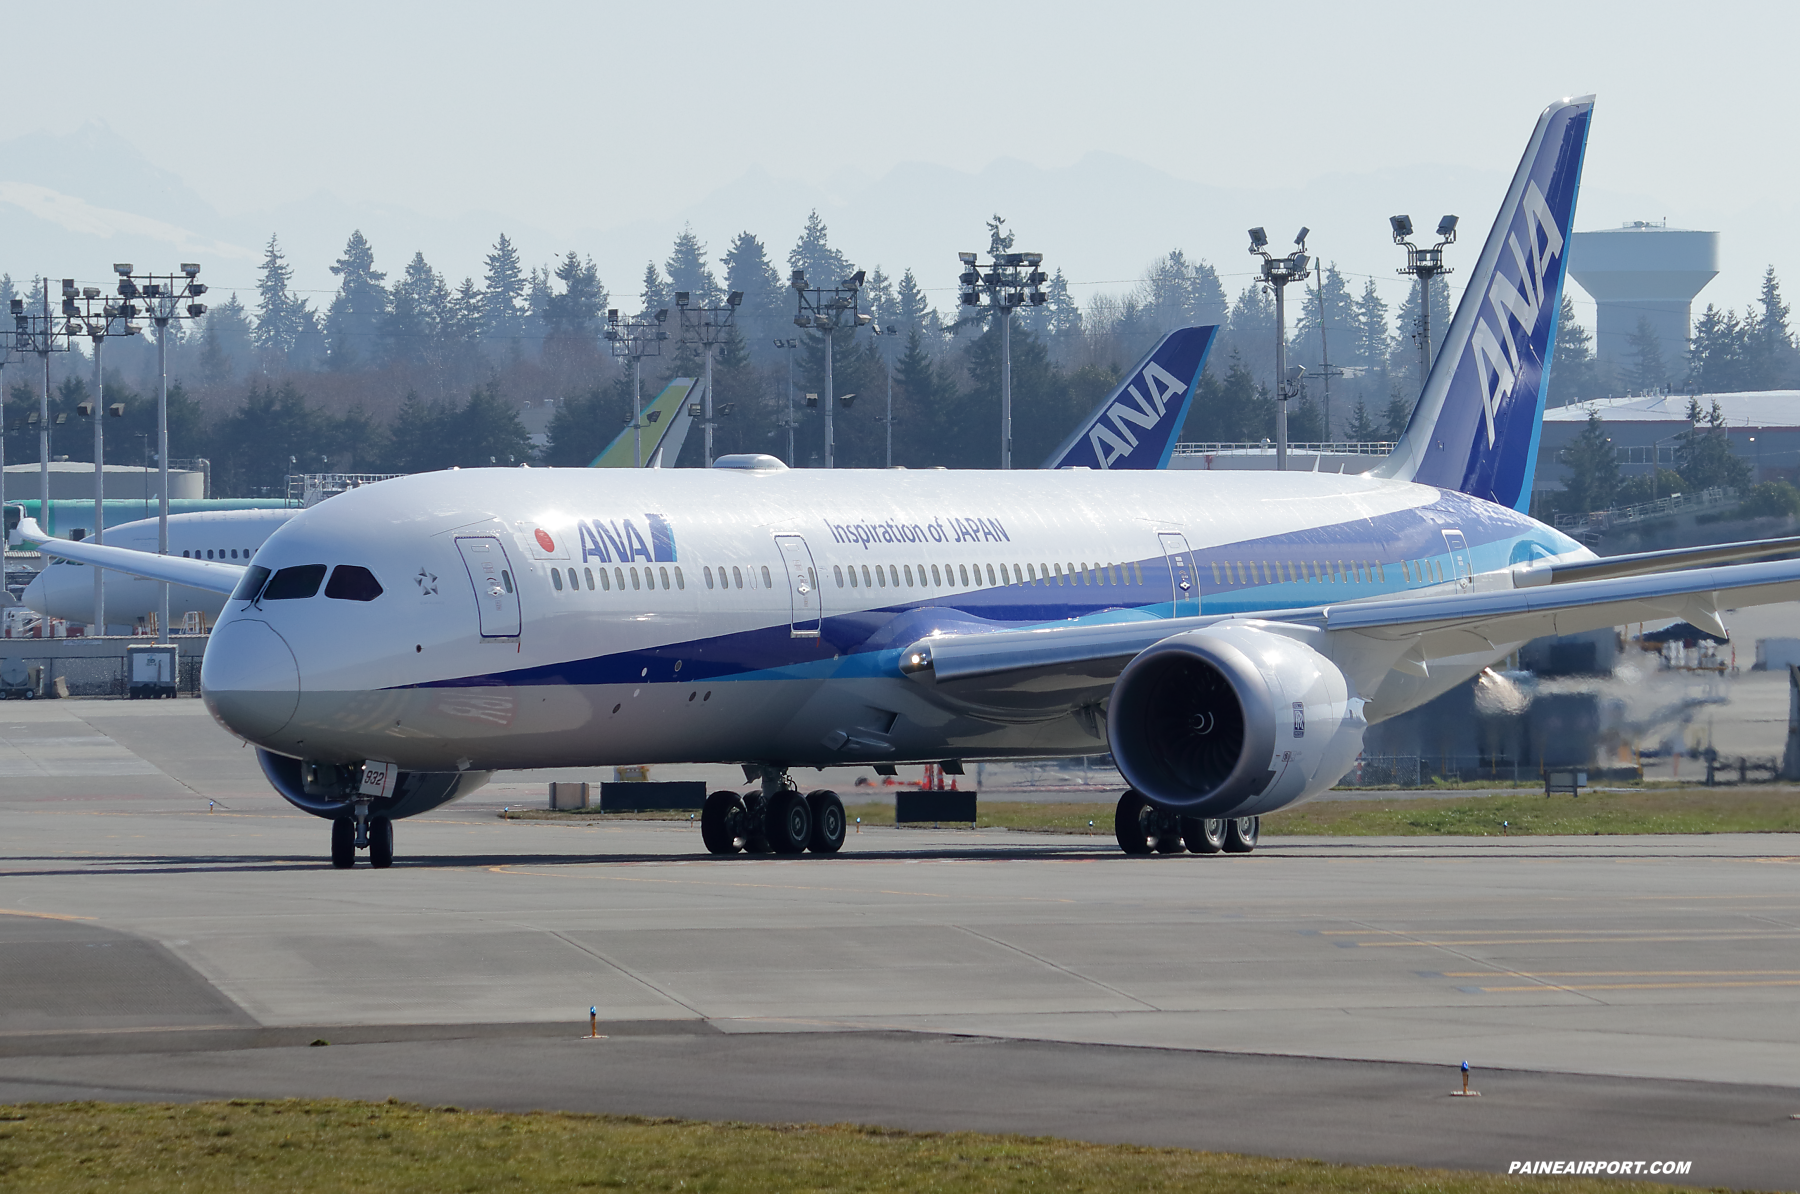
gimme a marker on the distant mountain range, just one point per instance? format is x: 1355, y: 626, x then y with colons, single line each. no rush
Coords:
x: 74, y: 204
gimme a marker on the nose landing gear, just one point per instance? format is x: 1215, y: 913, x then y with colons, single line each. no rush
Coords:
x: 360, y: 831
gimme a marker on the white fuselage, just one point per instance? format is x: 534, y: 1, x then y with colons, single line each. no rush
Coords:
x: 536, y: 618
x: 65, y: 589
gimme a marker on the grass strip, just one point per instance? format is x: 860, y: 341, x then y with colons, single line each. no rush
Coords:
x: 394, y: 1148
x: 1525, y: 812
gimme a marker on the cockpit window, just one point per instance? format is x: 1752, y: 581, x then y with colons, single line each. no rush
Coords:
x: 290, y: 584
x: 251, y: 584
x: 349, y: 582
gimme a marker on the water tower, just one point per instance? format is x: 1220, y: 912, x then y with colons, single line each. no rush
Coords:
x: 1643, y: 270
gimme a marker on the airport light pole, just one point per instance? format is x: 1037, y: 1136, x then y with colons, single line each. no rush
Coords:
x: 164, y: 298
x: 44, y: 334
x: 1277, y: 272
x: 637, y: 339
x: 790, y: 344
x: 707, y: 327
x: 1424, y: 264
x: 1007, y: 282
x: 825, y: 309
x: 884, y: 338
x: 102, y: 318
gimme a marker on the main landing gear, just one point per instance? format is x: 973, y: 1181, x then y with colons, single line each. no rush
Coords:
x: 1142, y: 828
x: 360, y: 831
x: 776, y: 820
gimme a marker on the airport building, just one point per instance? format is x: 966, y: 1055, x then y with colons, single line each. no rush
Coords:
x: 1763, y: 427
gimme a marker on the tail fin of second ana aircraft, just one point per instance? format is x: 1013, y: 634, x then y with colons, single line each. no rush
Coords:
x: 1477, y: 423
x: 666, y: 424
x: 1136, y: 425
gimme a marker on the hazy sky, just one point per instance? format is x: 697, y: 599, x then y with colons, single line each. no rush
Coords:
x: 571, y: 116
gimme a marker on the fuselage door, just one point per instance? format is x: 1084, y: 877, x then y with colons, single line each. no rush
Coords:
x: 803, y: 586
x: 1183, y: 586
x: 496, y: 587
x: 1460, y: 565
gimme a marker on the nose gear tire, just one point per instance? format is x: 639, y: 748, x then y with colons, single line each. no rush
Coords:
x: 381, y: 842
x: 343, y: 843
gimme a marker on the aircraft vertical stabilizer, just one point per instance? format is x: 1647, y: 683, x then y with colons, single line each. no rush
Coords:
x: 1135, y: 426
x: 1477, y: 423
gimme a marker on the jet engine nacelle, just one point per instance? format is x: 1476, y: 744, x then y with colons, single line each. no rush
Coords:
x: 1233, y: 721
x: 326, y: 790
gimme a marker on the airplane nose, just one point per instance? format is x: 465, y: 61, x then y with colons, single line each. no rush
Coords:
x: 36, y: 596
x: 250, y: 679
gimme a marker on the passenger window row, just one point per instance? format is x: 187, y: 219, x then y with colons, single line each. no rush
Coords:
x: 349, y: 582
x: 196, y: 554
x: 606, y: 582
x: 736, y: 579
x: 968, y: 576
x: 1265, y: 572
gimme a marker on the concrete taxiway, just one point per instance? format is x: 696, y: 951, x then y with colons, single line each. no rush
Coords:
x: 1618, y: 997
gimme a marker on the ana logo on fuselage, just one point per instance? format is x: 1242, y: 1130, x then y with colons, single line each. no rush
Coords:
x: 1115, y: 443
x: 1517, y: 306
x: 620, y: 541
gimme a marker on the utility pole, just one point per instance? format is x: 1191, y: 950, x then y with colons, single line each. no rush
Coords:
x: 165, y: 297
x: 707, y: 327
x: 1009, y: 281
x: 637, y: 340
x: 43, y: 335
x: 825, y: 310
x: 1325, y: 369
x: 1424, y: 264
x: 102, y: 319
x: 1277, y: 272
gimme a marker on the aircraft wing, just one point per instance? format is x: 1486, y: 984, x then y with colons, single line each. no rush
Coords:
x: 211, y: 575
x: 1639, y: 563
x: 1021, y: 662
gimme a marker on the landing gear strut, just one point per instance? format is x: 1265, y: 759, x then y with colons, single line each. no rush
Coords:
x: 777, y: 819
x: 1142, y: 828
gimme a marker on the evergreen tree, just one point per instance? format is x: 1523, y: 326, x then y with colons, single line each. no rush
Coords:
x: 464, y: 313
x: 1370, y: 340
x: 655, y: 295
x: 361, y: 304
x: 1593, y: 470
x: 1251, y: 332
x: 1771, y: 347
x: 1398, y: 412
x: 824, y: 265
x: 278, y: 313
x: 1231, y: 409
x: 1719, y: 352
x: 1703, y: 454
x: 414, y: 327
x: 503, y: 296
x: 688, y: 270
x: 227, y: 341
x: 273, y: 433
x: 1328, y: 304
x: 913, y: 313
x: 878, y: 301
x: 581, y: 428
x: 7, y: 295
x: 1362, y: 429
x: 1062, y: 317
x: 1645, y: 370
x: 766, y: 312
x: 575, y: 313
x: 1573, y: 375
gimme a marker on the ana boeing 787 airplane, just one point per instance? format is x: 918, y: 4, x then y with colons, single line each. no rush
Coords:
x: 1227, y: 636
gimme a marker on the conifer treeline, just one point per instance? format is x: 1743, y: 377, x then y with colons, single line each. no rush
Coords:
x: 406, y: 371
